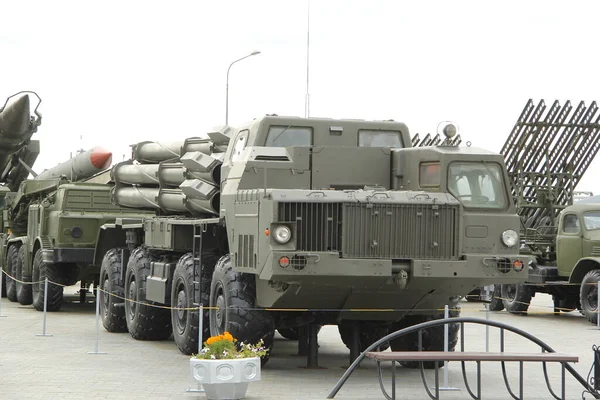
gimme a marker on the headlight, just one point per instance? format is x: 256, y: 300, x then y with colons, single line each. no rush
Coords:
x: 510, y: 238
x: 282, y: 234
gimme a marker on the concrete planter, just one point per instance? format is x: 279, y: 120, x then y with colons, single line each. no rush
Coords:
x: 225, y: 379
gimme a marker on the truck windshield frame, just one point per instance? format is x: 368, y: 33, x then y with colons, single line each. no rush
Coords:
x: 380, y: 138
x: 478, y: 184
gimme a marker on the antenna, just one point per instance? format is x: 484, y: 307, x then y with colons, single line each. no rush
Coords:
x: 307, y: 98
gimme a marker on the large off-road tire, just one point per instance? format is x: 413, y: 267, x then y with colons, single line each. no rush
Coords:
x: 11, y: 268
x: 432, y: 338
x: 185, y: 322
x: 144, y: 322
x: 24, y: 291
x: 111, y: 294
x: 588, y: 295
x: 516, y: 298
x: 474, y: 295
x: 234, y: 296
x: 370, y: 332
x: 494, y: 300
x: 42, y: 270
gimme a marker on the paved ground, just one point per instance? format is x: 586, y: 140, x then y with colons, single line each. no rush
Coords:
x: 59, y: 366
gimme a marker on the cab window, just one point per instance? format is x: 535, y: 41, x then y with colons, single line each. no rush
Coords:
x: 240, y: 145
x: 477, y: 184
x: 375, y: 138
x: 571, y: 224
x: 429, y: 174
x: 591, y: 220
x: 289, y: 136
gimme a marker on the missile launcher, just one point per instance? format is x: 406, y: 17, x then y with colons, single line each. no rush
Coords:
x: 180, y: 177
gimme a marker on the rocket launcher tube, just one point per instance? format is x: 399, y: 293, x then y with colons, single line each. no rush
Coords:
x: 135, y: 174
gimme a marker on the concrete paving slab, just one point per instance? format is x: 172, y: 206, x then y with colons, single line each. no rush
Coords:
x: 59, y: 366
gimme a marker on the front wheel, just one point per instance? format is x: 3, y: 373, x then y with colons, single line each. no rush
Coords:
x: 588, y: 295
x: 369, y: 333
x: 233, y: 308
x: 516, y: 298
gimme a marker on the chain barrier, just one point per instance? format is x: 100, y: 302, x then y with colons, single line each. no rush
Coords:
x: 144, y: 303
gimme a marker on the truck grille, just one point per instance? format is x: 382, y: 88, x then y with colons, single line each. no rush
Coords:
x: 386, y: 231
x: 317, y: 224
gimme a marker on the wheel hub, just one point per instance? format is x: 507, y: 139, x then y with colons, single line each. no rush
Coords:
x: 104, y: 297
x: 220, y: 313
x: 181, y: 312
x: 132, y: 294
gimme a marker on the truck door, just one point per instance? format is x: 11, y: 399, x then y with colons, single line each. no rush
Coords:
x: 568, y: 244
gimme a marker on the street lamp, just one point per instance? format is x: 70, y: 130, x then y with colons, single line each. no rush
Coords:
x: 227, y: 84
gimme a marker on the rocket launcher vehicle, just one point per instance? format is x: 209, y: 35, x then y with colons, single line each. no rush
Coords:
x: 17, y: 151
x: 174, y: 178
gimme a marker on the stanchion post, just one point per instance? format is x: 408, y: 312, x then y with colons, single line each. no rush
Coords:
x: 98, y: 321
x: 487, y: 328
x: 1, y: 276
x: 445, y: 383
x: 45, y: 307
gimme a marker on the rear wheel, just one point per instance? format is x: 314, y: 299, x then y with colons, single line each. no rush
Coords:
x: 516, y: 298
x: 144, y: 322
x: 185, y: 322
x: 111, y: 294
x: 41, y: 271
x: 11, y: 268
x: 24, y: 292
x: 233, y: 295
x: 588, y: 295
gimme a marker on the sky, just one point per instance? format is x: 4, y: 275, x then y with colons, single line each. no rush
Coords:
x: 113, y: 73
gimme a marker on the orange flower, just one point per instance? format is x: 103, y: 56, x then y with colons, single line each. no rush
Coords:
x: 227, y: 336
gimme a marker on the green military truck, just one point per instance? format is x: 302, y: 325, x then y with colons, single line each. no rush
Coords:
x: 573, y: 276
x: 337, y: 217
x: 50, y: 231
x: 546, y: 155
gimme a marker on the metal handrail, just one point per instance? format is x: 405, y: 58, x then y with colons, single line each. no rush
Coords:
x: 453, y: 320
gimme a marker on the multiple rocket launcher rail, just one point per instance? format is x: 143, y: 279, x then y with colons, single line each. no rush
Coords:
x: 177, y: 178
x: 546, y: 157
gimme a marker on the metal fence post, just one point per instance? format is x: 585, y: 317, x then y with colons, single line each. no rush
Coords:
x: 200, y: 330
x: 45, y: 307
x: 1, y: 276
x: 98, y: 290
x: 446, y: 328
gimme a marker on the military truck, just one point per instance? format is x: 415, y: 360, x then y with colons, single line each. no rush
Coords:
x: 546, y: 157
x: 50, y: 231
x: 283, y: 214
x: 49, y: 224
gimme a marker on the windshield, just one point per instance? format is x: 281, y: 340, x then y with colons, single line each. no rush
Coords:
x: 371, y: 138
x: 477, y: 184
x: 289, y: 136
x: 591, y: 220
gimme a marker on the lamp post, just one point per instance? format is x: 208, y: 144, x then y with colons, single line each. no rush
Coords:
x: 227, y: 84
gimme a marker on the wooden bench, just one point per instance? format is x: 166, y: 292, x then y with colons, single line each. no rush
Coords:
x: 478, y: 357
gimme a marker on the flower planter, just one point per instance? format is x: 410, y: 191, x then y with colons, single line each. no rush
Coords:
x: 227, y: 378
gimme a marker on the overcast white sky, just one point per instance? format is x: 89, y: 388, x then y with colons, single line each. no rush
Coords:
x: 118, y: 72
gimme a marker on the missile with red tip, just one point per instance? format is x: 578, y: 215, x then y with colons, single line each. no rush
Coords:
x: 82, y: 166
